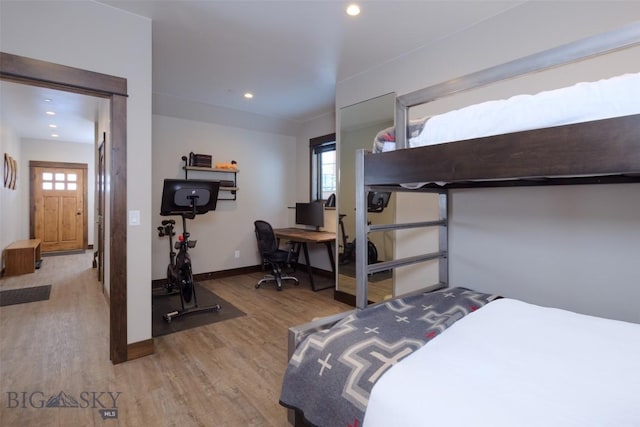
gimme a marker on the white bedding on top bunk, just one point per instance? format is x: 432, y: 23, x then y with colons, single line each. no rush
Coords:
x: 515, y: 364
x: 614, y: 97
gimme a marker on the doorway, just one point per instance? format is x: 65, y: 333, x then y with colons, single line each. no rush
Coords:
x: 58, y: 205
x: 45, y: 74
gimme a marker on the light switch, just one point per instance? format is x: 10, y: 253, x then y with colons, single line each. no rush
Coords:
x: 134, y: 217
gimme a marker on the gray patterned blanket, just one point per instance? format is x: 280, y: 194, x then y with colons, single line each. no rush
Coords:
x: 332, y: 372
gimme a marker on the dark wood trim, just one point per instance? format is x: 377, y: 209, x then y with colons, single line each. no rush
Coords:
x: 45, y: 74
x: 117, y: 179
x: 316, y: 271
x: 227, y: 273
x: 592, y: 149
x: 85, y: 208
x: 319, y: 140
x: 140, y: 349
x: 45, y: 164
x: 211, y: 275
x: 346, y: 298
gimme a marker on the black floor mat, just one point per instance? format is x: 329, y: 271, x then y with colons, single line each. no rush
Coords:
x: 165, y: 304
x: 24, y: 295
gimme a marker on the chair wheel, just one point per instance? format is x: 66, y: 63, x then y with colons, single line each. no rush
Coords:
x: 257, y: 286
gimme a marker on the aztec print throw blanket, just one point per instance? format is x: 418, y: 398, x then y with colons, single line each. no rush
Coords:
x: 332, y: 372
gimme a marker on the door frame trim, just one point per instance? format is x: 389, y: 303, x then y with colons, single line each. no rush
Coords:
x: 47, y: 74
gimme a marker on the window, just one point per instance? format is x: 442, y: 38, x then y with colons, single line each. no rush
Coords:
x: 59, y: 181
x: 323, y: 166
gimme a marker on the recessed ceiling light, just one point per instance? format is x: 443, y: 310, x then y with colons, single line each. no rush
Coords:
x: 55, y: 135
x: 53, y: 126
x: 248, y: 95
x: 50, y: 113
x: 353, y: 10
x: 47, y: 100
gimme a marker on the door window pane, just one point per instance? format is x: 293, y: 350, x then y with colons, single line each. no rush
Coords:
x: 59, y: 181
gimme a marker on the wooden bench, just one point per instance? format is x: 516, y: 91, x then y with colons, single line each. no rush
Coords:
x: 21, y: 257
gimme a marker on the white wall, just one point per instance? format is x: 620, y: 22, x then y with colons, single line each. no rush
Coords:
x: 523, y: 30
x: 487, y: 251
x: 576, y: 247
x: 11, y: 218
x: 56, y: 151
x: 320, y: 126
x: 99, y: 38
x: 266, y: 181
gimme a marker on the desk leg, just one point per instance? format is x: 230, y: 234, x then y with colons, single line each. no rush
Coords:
x: 333, y: 268
x: 309, y: 271
x: 331, y: 260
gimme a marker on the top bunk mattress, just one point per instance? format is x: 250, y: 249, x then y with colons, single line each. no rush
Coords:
x: 587, y: 101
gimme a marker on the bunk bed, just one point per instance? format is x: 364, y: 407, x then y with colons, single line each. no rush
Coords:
x: 475, y: 359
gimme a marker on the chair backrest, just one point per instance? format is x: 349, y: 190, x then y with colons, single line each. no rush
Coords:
x: 331, y: 201
x: 267, y: 241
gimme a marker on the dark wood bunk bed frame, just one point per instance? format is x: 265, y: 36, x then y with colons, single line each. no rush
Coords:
x: 597, y: 152
x: 602, y: 151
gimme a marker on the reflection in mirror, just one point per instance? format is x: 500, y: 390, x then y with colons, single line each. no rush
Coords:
x: 358, y: 126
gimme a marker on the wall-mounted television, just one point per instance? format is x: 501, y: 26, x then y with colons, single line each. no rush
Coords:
x: 188, y: 197
x: 310, y: 214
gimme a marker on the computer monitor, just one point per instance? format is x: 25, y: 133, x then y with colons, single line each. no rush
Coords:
x: 377, y: 200
x: 311, y: 214
x: 188, y: 197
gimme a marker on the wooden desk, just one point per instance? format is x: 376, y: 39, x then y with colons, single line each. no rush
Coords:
x: 302, y: 236
x: 20, y: 257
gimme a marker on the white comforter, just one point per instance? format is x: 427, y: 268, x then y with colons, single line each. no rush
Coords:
x: 515, y: 364
x: 614, y: 97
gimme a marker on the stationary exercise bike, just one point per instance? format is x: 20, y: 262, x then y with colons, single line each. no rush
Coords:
x: 349, y: 248
x: 186, y: 199
x: 170, y: 287
x: 376, y: 202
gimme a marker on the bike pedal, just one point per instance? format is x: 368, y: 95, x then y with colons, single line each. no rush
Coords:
x: 170, y: 316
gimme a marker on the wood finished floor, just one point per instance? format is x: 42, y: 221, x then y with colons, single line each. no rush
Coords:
x: 376, y: 291
x: 224, y: 374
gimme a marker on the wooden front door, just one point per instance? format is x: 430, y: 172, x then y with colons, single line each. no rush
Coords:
x: 58, y: 205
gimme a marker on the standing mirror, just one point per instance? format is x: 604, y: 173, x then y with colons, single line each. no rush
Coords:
x: 358, y: 126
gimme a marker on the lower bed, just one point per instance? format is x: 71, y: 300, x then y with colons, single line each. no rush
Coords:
x: 472, y: 360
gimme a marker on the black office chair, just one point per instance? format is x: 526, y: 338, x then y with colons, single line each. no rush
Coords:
x: 273, y: 257
x: 331, y: 201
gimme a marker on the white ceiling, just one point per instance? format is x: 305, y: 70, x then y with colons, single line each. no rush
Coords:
x: 289, y: 54
x: 24, y: 108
